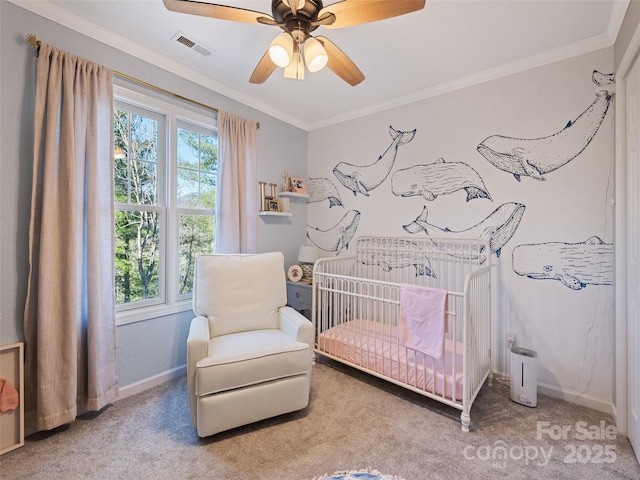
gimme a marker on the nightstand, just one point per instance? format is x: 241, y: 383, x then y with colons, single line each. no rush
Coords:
x: 299, y: 297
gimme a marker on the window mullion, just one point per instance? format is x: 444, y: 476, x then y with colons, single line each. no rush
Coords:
x: 171, y: 183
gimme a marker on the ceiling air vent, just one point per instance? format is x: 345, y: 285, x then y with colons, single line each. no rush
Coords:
x: 192, y: 44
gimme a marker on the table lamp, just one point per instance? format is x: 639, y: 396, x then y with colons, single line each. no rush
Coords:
x: 307, y: 256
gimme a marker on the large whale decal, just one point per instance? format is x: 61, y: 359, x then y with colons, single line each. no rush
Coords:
x: 537, y: 156
x: 363, y: 179
x: 576, y: 265
x: 439, y: 178
x: 497, y: 228
x: 337, y: 237
x: 388, y: 259
x: 321, y: 189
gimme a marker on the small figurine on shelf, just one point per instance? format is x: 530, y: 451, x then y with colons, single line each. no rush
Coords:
x: 286, y: 187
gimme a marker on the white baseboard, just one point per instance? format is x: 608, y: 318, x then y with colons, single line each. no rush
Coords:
x: 569, y: 396
x: 576, y: 397
x: 151, y: 382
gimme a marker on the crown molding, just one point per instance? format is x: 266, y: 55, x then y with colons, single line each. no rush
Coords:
x: 551, y: 56
x: 67, y: 19
x: 92, y: 30
x: 618, y: 11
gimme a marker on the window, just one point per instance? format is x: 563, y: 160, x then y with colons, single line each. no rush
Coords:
x: 165, y: 174
x: 196, y: 197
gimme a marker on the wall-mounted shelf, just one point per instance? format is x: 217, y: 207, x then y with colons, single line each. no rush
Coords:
x: 274, y: 214
x: 293, y: 195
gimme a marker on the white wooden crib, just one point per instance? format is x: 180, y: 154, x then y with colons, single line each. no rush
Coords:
x: 356, y: 311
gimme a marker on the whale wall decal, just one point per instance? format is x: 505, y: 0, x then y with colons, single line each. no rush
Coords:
x: 535, y: 157
x: 363, y: 179
x: 439, y: 178
x: 601, y: 79
x: 336, y: 238
x: 321, y: 189
x: 497, y: 228
x: 576, y: 265
x: 388, y: 259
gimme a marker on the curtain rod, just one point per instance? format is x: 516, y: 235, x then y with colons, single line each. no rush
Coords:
x: 35, y: 43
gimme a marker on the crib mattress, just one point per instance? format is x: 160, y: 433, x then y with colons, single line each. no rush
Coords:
x: 376, y: 347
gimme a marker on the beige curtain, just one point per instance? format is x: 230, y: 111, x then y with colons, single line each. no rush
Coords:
x: 69, y: 319
x: 236, y: 227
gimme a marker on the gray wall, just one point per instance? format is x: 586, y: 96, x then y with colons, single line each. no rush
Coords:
x: 149, y: 348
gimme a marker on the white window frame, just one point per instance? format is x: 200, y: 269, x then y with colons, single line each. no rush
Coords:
x: 169, y: 301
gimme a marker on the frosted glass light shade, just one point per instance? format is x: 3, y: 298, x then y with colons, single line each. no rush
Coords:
x: 281, y: 50
x: 307, y: 254
x: 315, y: 55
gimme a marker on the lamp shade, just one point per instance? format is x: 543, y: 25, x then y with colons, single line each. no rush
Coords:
x: 281, y: 49
x: 307, y: 254
x: 315, y: 55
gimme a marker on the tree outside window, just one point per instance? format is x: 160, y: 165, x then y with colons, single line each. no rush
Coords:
x: 137, y: 222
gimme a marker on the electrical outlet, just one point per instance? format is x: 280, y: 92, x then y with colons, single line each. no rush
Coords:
x: 511, y: 339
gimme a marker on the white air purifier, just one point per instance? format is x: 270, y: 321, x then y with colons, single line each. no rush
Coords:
x: 524, y: 376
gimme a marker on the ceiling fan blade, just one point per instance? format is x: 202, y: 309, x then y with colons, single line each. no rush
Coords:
x: 356, y: 12
x: 263, y: 70
x: 223, y: 12
x: 325, y: 19
x: 340, y: 64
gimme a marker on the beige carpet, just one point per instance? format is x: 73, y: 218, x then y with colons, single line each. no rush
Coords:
x: 354, y: 422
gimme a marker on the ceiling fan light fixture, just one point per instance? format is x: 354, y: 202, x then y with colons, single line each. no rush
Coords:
x: 281, y: 50
x: 315, y: 56
x: 298, y: 18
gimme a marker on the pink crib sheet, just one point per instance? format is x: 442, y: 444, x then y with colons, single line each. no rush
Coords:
x: 376, y: 347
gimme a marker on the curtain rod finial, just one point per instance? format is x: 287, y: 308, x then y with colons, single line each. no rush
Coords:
x: 33, y: 41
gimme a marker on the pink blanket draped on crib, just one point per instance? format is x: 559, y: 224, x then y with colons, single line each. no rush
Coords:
x: 423, y: 322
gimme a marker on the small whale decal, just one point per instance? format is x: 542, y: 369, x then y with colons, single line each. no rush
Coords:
x: 497, y: 229
x: 337, y: 237
x: 535, y: 157
x: 576, y: 265
x: 321, y: 189
x: 601, y: 79
x: 439, y: 178
x: 388, y: 259
x: 363, y: 179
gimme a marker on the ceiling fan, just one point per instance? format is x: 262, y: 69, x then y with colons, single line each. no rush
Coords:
x: 295, y: 47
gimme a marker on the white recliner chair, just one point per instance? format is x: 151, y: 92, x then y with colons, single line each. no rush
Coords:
x: 248, y: 355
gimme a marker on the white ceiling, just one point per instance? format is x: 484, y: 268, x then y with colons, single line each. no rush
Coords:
x: 447, y: 45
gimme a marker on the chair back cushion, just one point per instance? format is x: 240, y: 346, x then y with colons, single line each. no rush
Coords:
x: 239, y: 292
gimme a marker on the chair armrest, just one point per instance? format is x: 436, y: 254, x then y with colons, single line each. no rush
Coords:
x: 197, y: 349
x: 296, y: 325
